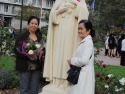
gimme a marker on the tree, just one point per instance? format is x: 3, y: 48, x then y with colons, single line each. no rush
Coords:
x: 28, y: 11
x: 108, y: 13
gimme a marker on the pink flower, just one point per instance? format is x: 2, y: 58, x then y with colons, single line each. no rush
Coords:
x: 97, y: 63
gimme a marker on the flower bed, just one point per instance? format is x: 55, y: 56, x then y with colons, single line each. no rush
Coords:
x: 107, y: 83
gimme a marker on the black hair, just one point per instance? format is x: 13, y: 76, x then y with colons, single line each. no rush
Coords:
x: 110, y: 35
x: 88, y: 25
x: 38, y: 32
x: 122, y: 36
x: 33, y: 17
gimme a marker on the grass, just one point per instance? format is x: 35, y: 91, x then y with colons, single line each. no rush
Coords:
x: 7, y: 62
x: 116, y: 70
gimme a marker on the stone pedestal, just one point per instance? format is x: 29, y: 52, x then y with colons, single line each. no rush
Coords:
x: 49, y: 89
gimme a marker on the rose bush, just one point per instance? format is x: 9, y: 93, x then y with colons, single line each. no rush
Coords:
x: 106, y: 83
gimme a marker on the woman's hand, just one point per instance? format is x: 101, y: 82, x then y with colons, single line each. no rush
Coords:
x: 40, y: 54
x: 31, y: 58
x: 69, y: 62
x: 75, y: 2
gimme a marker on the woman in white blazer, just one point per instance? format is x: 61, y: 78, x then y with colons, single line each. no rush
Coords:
x: 84, y: 55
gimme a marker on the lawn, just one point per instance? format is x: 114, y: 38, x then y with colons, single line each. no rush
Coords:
x: 116, y: 70
x: 7, y: 62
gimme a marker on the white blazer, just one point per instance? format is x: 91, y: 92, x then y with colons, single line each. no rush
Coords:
x: 86, y: 82
x: 123, y: 45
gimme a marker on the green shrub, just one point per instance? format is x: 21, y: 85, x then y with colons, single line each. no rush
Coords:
x: 8, y: 79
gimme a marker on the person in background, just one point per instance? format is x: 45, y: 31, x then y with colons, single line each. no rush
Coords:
x: 115, y: 45
x: 84, y: 58
x: 122, y: 62
x: 106, y: 44
x: 119, y: 44
x: 12, y: 31
x: 111, y: 41
x: 29, y: 79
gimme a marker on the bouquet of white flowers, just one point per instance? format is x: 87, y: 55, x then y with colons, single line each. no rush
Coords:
x: 31, y: 49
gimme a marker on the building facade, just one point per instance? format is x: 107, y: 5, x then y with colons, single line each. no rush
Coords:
x: 9, y: 8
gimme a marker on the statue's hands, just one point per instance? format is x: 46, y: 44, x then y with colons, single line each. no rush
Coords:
x: 63, y: 9
x: 75, y: 2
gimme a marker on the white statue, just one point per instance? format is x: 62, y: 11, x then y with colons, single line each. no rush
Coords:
x: 62, y: 40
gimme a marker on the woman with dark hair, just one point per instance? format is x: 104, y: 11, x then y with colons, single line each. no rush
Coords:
x: 29, y: 79
x: 84, y: 58
x: 111, y: 42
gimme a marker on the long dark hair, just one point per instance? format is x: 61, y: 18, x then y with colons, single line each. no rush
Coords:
x: 88, y: 25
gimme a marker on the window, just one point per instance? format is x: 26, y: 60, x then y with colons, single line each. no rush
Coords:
x: 0, y: 7
x: 20, y: 1
x: 38, y: 2
x: 34, y: 2
x: 13, y: 10
x: 5, y: 8
x: 15, y: 1
x: 25, y: 1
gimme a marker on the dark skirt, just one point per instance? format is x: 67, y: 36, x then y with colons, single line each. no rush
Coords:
x: 111, y: 46
x: 122, y: 63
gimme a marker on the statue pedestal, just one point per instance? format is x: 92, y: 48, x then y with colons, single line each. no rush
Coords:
x: 54, y: 90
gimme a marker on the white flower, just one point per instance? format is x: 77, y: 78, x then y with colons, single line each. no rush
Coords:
x: 27, y: 44
x: 120, y: 89
x: 106, y: 86
x: 110, y: 75
x: 116, y: 90
x: 37, y: 46
x: 122, y: 81
x: 116, y: 87
x: 7, y: 52
x: 2, y: 46
x: 30, y: 52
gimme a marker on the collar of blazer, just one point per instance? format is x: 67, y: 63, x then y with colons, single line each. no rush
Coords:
x: 86, y: 38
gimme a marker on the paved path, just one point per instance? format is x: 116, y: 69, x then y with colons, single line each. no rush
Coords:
x: 108, y: 60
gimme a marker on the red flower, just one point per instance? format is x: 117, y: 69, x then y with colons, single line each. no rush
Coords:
x: 102, y: 79
x: 108, y: 82
x: 104, y: 65
x: 97, y: 75
x: 106, y: 78
x: 98, y: 51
